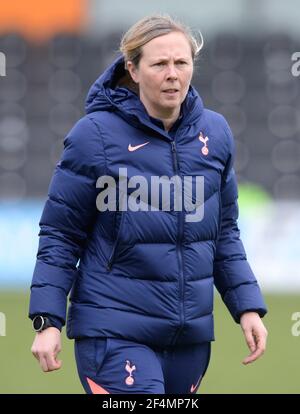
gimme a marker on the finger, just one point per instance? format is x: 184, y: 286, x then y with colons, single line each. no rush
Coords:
x: 250, y: 339
x: 258, y: 352
x: 43, y: 363
x: 254, y: 356
x: 52, y: 363
x: 251, y: 342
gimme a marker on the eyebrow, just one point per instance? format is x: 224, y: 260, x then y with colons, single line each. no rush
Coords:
x: 166, y: 58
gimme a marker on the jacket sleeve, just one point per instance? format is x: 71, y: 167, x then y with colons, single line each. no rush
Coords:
x: 233, y: 276
x: 67, y: 217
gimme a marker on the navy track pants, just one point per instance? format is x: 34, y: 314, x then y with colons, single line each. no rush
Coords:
x: 118, y: 366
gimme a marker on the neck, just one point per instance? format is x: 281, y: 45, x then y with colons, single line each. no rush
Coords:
x: 168, y: 122
x: 168, y: 118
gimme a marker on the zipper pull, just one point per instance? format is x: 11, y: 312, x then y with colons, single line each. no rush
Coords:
x: 108, y: 267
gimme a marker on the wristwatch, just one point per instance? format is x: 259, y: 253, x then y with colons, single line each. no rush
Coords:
x: 40, y: 323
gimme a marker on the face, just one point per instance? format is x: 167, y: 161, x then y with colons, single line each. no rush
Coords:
x: 164, y: 74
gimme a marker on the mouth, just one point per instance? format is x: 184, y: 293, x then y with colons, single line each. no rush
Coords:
x: 171, y: 91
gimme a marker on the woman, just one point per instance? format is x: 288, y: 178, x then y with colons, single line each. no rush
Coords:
x: 142, y: 295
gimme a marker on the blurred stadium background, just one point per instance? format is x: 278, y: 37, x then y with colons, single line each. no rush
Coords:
x: 54, y: 51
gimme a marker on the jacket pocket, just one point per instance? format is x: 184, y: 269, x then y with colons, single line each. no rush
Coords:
x: 114, y: 251
x: 102, y: 348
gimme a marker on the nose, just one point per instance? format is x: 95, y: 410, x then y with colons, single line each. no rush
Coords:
x: 172, y: 74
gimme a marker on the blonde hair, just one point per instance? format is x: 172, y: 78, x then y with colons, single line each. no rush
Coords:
x: 151, y: 27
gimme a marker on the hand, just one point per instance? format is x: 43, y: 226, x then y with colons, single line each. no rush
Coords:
x: 255, y: 334
x: 46, y: 346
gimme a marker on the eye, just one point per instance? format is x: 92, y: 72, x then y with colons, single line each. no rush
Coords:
x: 181, y: 62
x: 159, y: 64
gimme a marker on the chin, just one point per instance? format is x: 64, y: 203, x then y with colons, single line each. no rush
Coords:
x: 171, y: 105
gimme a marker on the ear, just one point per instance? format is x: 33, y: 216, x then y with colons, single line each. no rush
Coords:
x: 133, y: 70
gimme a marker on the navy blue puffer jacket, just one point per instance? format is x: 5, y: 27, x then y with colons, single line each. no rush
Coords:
x: 146, y: 276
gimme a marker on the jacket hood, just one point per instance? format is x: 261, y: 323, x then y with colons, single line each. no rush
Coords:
x: 107, y: 94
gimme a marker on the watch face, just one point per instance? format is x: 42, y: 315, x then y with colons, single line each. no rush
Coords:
x: 38, y: 323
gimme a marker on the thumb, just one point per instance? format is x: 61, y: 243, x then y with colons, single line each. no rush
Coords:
x: 58, y: 363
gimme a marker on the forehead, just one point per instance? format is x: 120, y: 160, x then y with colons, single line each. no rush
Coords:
x: 173, y: 44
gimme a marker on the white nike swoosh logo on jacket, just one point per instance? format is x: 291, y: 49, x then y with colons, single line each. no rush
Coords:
x: 135, y: 147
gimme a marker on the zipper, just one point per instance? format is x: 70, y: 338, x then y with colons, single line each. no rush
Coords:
x: 179, y: 250
x: 175, y: 160
x: 115, y: 245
